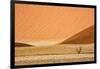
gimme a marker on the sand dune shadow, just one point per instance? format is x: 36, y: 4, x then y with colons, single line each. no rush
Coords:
x: 22, y: 45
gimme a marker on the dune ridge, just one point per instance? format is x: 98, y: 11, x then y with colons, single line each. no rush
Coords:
x: 83, y: 37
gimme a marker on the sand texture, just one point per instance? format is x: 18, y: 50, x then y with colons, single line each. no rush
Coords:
x: 49, y: 59
x: 65, y: 53
x: 57, y: 49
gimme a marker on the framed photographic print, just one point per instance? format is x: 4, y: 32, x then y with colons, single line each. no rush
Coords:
x: 49, y: 34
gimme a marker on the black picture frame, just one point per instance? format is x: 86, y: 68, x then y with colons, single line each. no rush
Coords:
x: 12, y: 32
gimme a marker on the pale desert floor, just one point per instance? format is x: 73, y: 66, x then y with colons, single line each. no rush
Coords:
x: 45, y: 59
x: 64, y: 53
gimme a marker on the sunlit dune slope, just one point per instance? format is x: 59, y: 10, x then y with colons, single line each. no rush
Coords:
x: 83, y: 37
x: 48, y: 25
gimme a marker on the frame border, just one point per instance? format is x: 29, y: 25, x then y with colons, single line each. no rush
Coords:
x: 12, y: 32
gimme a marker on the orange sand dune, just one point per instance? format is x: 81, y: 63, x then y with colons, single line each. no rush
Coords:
x: 49, y: 25
x: 83, y: 37
x: 39, y: 25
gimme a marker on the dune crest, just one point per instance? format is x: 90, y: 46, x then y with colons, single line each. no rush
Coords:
x: 83, y: 37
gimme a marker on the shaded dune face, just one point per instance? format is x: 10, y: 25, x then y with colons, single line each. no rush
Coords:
x: 22, y: 45
x: 83, y: 37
